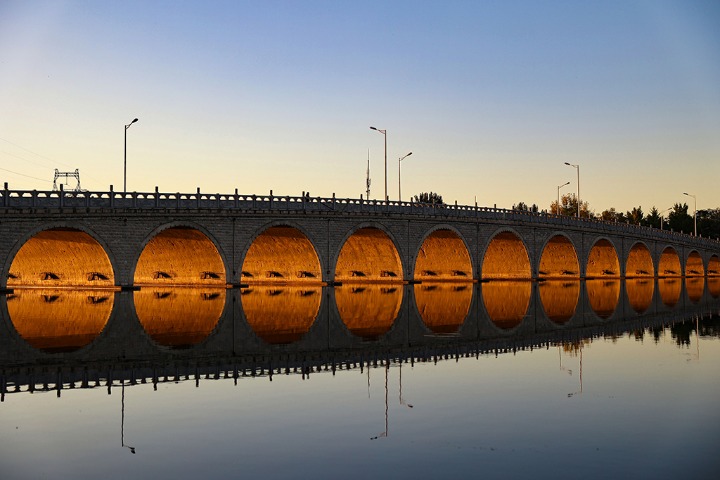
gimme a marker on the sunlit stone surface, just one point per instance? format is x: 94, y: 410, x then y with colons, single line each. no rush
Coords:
x: 179, y: 317
x: 559, y: 299
x: 443, y: 256
x: 59, y: 320
x: 281, y: 314
x: 369, y: 310
x: 559, y: 259
x: 369, y: 255
x: 61, y: 258
x: 443, y: 307
x: 694, y: 266
x: 506, y: 258
x: 506, y: 302
x: 670, y: 290
x: 640, y: 293
x: 603, y: 296
x: 639, y: 262
x: 603, y: 261
x: 281, y: 255
x: 180, y: 256
x: 669, y: 264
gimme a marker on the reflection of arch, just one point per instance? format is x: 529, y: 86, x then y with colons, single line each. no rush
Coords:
x: 694, y: 266
x: 59, y: 320
x: 559, y: 259
x: 713, y: 269
x: 443, y: 256
x: 506, y: 302
x: 443, y: 307
x: 61, y: 257
x: 640, y: 293
x: 559, y: 299
x: 639, y: 262
x: 369, y: 254
x: 603, y: 260
x: 670, y: 289
x: 669, y: 264
x: 603, y: 296
x: 281, y: 254
x: 368, y: 311
x: 695, y: 287
x: 179, y: 317
x: 280, y: 315
x: 506, y: 258
x: 180, y: 256
x: 714, y: 286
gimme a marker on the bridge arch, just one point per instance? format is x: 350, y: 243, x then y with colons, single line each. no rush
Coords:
x: 559, y: 258
x: 602, y: 260
x: 180, y: 254
x: 281, y: 252
x: 639, y: 262
x: 669, y: 263
x: 368, y: 253
x: 443, y: 256
x: 506, y: 257
x: 60, y: 255
x: 694, y: 266
x: 713, y: 269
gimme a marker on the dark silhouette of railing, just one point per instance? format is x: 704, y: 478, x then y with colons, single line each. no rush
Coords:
x: 13, y: 200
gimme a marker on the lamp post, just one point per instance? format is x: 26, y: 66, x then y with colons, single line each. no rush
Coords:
x: 695, y: 212
x: 661, y: 217
x: 125, y: 157
x: 558, y: 188
x: 384, y: 132
x: 400, y: 160
x: 576, y: 167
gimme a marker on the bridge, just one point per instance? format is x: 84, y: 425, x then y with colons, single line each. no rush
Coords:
x: 117, y: 240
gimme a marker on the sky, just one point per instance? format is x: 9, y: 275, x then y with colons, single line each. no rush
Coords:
x: 491, y: 97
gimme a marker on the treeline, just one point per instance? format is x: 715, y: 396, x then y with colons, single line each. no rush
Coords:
x: 678, y: 218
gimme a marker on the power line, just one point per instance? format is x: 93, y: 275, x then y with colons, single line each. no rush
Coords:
x: 23, y: 175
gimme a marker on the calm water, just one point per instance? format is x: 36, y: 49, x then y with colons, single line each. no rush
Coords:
x: 579, y: 379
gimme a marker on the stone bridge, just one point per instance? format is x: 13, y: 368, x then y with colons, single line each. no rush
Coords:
x: 132, y: 240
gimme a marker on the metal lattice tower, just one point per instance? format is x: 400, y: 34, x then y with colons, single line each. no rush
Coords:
x: 67, y: 176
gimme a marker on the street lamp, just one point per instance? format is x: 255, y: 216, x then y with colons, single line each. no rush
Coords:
x: 661, y: 217
x: 125, y: 157
x: 384, y: 132
x: 695, y: 212
x: 577, y: 167
x: 558, y: 204
x: 400, y: 160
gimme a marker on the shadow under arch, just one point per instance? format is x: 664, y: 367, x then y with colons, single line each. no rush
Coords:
x: 602, y: 260
x: 368, y: 310
x: 506, y: 258
x: 60, y: 320
x: 60, y: 257
x: 713, y: 269
x: 179, y: 317
x: 559, y: 259
x: 180, y: 255
x: 443, y: 306
x: 639, y: 293
x: 603, y: 296
x: 281, y: 254
x: 443, y: 256
x: 281, y: 314
x: 669, y: 263
x: 639, y: 262
x: 506, y: 302
x: 559, y: 299
x: 369, y: 255
x: 694, y: 266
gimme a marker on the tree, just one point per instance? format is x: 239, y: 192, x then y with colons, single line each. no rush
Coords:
x: 679, y: 220
x: 611, y: 215
x: 431, y: 197
x: 636, y: 216
x: 708, y: 222
x: 653, y: 218
x: 568, y: 207
x: 523, y: 207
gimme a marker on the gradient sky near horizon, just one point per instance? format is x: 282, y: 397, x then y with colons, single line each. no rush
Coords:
x: 492, y: 97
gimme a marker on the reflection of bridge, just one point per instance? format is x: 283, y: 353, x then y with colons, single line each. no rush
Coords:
x: 110, y: 239
x: 57, y: 339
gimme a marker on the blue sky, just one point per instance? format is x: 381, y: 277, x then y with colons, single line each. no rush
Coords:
x: 491, y: 97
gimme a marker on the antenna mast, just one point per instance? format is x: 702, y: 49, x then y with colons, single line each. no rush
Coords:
x: 367, y: 181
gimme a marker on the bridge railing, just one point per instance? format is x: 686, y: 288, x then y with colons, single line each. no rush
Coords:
x: 63, y: 199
